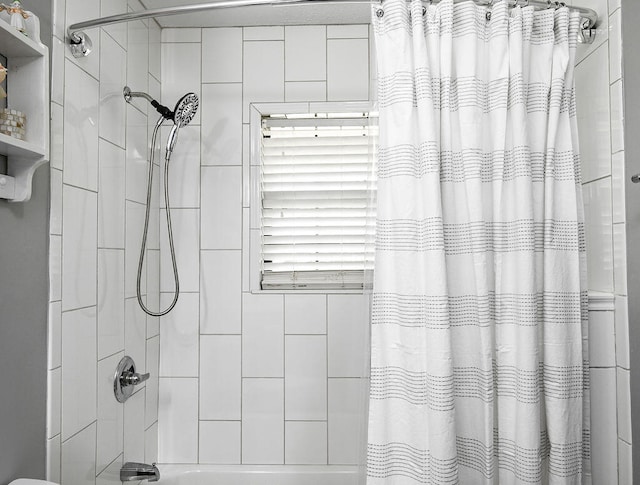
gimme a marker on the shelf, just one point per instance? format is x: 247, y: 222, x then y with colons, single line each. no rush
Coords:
x: 28, y: 90
x: 15, y: 44
x: 21, y: 149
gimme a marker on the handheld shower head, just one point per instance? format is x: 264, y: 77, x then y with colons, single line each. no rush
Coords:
x: 185, y: 109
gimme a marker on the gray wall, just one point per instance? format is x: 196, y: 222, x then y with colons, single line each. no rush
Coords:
x: 631, y: 79
x: 24, y: 229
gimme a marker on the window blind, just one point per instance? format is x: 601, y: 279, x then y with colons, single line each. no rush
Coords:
x: 317, y: 185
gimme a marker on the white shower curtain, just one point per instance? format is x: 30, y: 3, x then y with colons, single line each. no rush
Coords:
x: 479, y: 371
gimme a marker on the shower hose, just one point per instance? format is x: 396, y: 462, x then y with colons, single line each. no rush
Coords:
x: 143, y: 246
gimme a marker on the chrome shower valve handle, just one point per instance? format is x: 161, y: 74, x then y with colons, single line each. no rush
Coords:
x: 126, y: 378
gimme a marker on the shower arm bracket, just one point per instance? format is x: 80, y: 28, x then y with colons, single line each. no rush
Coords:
x: 80, y: 44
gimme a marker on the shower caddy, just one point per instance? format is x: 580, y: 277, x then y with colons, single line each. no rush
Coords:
x: 28, y: 91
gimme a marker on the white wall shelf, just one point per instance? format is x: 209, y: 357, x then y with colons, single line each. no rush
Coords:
x: 28, y: 91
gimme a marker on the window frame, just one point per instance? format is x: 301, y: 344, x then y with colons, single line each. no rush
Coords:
x: 251, y: 177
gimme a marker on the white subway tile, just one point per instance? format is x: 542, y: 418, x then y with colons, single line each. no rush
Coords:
x: 154, y: 51
x: 110, y: 301
x: 111, y: 474
x: 78, y: 370
x: 152, y: 298
x: 59, y: 14
x: 54, y: 389
x: 254, y: 259
x: 220, y: 442
x: 592, y: 99
x: 262, y: 421
x: 348, y: 317
x: 617, y: 187
x: 222, y: 207
x: 110, y: 415
x: 622, y: 332
x: 135, y: 213
x: 347, y: 69
x: 113, y: 77
x: 624, y: 404
x: 358, y: 31
x: 305, y: 314
x: 181, y: 35
x: 346, y: 420
x: 179, y: 337
x: 135, y: 333
x: 305, y: 91
x: 55, y: 268
x: 617, y: 117
x: 222, y: 124
x: 602, y: 345
x: 262, y: 335
x: 615, y: 45
x: 138, y: 59
x: 184, y: 169
x: 181, y: 69
x: 222, y: 55
x: 78, y: 464
x: 620, y: 258
x: 220, y: 292
x: 134, y: 427
x: 53, y: 459
x: 151, y: 443
x: 80, y: 128
x: 55, y: 201
x: 604, y: 438
x: 625, y: 463
x: 117, y: 31
x: 151, y: 386
x: 137, y: 156
x: 57, y: 137
x: 263, y: 73
x: 305, y: 443
x: 305, y: 53
x: 111, y: 196
x: 178, y: 420
x: 54, y: 335
x: 220, y: 377
x: 186, y: 231
x: 305, y: 377
x: 246, y: 165
x: 246, y: 251
x: 599, y: 234
x: 79, y: 253
x: 263, y: 33
x: 57, y: 71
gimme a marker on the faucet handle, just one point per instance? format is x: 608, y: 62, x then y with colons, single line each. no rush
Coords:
x: 133, y: 378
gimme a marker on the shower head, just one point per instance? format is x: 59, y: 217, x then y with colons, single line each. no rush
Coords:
x: 185, y: 109
x: 183, y: 113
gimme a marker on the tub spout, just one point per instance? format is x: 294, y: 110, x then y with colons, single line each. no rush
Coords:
x: 139, y: 471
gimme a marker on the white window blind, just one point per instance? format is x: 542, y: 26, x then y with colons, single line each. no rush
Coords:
x: 318, y: 185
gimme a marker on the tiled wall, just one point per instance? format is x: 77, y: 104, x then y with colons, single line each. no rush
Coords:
x: 98, y: 181
x: 252, y: 378
x: 599, y: 97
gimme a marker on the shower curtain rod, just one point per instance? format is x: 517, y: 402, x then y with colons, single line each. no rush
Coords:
x: 81, y: 45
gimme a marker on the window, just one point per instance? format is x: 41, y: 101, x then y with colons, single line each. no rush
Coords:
x: 317, y: 188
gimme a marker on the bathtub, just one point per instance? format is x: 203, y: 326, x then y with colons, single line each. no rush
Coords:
x: 257, y: 475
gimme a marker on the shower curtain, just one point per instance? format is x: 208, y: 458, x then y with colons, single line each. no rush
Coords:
x: 479, y: 369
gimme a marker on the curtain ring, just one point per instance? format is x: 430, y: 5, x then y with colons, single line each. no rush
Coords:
x: 424, y: 10
x: 379, y: 13
x: 549, y: 4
